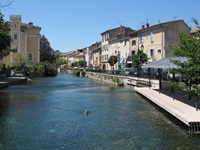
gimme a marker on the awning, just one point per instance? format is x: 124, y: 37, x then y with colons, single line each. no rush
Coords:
x: 165, y: 63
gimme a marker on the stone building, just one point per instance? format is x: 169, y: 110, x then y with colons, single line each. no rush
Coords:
x: 115, y: 42
x: 26, y: 40
x: 156, y: 40
x: 94, y: 58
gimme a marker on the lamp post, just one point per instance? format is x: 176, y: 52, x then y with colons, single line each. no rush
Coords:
x: 139, y: 55
x: 113, y: 59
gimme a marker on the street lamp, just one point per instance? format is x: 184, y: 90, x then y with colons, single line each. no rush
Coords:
x: 142, y: 47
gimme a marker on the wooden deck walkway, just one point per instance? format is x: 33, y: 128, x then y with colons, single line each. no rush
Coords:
x: 185, y: 112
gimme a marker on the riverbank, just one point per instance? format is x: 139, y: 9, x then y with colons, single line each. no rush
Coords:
x: 179, y: 106
x: 11, y: 81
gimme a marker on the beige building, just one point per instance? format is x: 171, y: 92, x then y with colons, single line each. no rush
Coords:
x: 66, y: 57
x: 75, y: 56
x: 157, y: 39
x: 26, y: 40
x: 94, y: 52
x: 115, y: 42
x: 194, y: 32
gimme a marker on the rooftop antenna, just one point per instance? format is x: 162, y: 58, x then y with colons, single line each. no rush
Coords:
x: 175, y: 17
x: 120, y: 22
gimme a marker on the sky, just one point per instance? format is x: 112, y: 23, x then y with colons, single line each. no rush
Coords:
x: 73, y: 24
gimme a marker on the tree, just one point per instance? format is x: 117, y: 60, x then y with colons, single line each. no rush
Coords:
x: 60, y: 61
x: 74, y: 64
x: 22, y: 60
x: 188, y: 47
x: 139, y: 58
x: 46, y: 52
x: 45, y: 49
x: 82, y: 63
x: 5, y: 38
x: 112, y: 61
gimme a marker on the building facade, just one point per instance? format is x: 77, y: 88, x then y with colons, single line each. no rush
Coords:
x: 115, y: 42
x: 94, y: 56
x: 156, y: 40
x: 26, y: 40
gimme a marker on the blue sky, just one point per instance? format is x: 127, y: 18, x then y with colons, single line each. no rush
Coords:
x: 72, y: 24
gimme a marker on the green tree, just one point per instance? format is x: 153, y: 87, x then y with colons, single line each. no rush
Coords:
x: 45, y: 49
x: 74, y: 64
x: 5, y: 38
x: 112, y: 61
x: 50, y: 69
x: 82, y: 63
x: 22, y: 60
x: 139, y: 58
x: 59, y: 62
x: 46, y: 52
x: 188, y: 47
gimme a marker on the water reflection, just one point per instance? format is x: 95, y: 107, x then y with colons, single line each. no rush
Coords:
x: 47, y: 113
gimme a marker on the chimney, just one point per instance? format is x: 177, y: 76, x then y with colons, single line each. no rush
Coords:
x: 147, y: 24
x: 30, y: 24
x: 143, y: 26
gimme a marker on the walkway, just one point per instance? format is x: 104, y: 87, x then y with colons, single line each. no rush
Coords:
x: 181, y: 107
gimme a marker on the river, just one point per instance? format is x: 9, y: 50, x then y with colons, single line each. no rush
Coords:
x: 47, y: 114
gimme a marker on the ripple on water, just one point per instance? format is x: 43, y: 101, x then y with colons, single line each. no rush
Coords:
x: 47, y: 113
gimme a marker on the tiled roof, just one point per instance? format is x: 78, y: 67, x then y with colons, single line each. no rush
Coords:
x: 195, y: 30
x: 27, y: 25
x: 156, y: 25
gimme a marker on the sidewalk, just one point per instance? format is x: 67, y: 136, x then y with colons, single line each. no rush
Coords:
x: 11, y: 81
x: 181, y: 107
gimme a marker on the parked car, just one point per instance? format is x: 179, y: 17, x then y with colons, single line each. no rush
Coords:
x: 127, y: 71
x: 167, y: 75
x: 134, y: 71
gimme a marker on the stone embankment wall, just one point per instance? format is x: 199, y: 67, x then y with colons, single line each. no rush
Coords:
x: 107, y: 78
x: 119, y: 80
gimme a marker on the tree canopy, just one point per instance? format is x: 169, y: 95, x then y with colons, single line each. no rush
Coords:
x: 188, y: 47
x: 112, y: 60
x: 5, y: 38
x: 46, y: 52
x: 80, y: 63
x: 139, y: 58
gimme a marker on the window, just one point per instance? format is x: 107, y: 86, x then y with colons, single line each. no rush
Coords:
x: 159, y: 51
x: 124, y: 43
x: 133, y: 42
x: 15, y: 49
x: 30, y: 56
x: 15, y: 36
x: 104, y: 47
x: 96, y: 60
x: 151, y: 53
x: 133, y: 52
